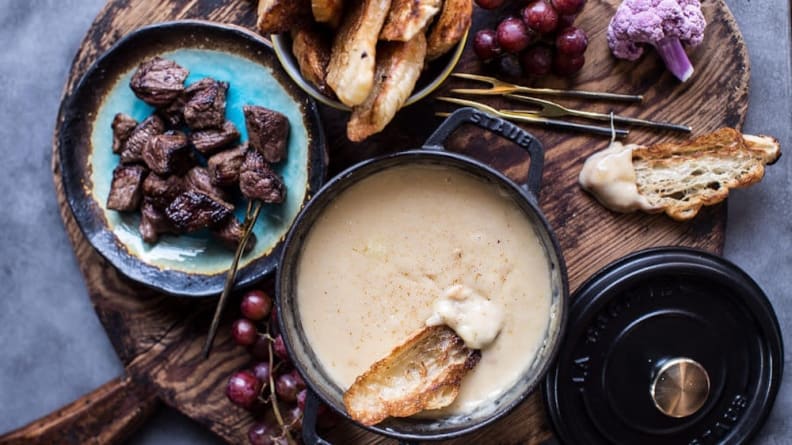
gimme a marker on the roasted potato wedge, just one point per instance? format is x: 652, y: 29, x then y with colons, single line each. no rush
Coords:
x: 450, y: 27
x: 311, y: 48
x: 399, y: 65
x: 328, y: 11
x: 408, y: 17
x: 277, y: 16
x: 351, y: 70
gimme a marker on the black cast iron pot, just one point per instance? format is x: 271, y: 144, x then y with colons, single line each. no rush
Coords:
x: 432, y: 153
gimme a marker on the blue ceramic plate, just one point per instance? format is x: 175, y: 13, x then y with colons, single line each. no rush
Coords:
x: 190, y: 264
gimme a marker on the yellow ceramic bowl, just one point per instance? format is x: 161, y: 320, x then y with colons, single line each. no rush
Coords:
x: 438, y: 72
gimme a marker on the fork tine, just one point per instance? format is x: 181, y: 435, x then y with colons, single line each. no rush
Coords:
x: 490, y: 80
x: 498, y: 86
x: 532, y: 100
x: 469, y: 103
x: 491, y: 91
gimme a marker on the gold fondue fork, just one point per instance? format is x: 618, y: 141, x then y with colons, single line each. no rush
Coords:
x: 552, y: 109
x: 533, y: 119
x: 499, y: 87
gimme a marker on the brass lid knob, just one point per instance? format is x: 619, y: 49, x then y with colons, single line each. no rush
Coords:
x: 680, y: 388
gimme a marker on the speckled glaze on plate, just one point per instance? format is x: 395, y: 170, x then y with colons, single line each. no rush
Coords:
x: 190, y: 264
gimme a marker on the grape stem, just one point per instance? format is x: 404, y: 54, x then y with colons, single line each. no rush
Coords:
x: 251, y: 215
x: 274, y: 394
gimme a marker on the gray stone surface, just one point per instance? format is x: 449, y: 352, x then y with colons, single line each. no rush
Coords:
x: 52, y: 347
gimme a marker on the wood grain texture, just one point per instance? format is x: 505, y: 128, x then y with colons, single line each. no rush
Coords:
x: 109, y: 414
x: 159, y: 337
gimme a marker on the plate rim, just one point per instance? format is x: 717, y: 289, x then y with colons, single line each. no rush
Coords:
x: 113, y: 250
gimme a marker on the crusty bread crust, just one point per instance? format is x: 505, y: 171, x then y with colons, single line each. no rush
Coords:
x: 276, y: 16
x: 422, y: 373
x: 399, y: 66
x: 680, y: 178
x: 350, y: 72
x: 328, y: 11
x: 408, y: 18
x: 449, y: 28
x: 312, y: 51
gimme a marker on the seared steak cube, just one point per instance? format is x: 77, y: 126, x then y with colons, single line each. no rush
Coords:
x: 230, y: 233
x: 126, y: 190
x: 198, y: 179
x: 162, y: 191
x: 210, y: 140
x: 257, y: 180
x: 224, y: 166
x: 122, y: 125
x: 193, y: 210
x: 166, y: 152
x: 158, y: 81
x: 133, y: 149
x: 173, y: 113
x: 153, y: 222
x: 206, y: 104
x: 268, y: 132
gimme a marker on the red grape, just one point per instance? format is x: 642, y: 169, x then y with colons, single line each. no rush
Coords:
x: 298, y: 378
x: 301, y: 398
x: 566, y: 65
x: 489, y: 4
x: 485, y: 44
x: 571, y: 41
x: 286, y: 388
x: 540, y: 16
x: 274, y: 326
x: 260, y: 348
x: 513, y: 35
x: 537, y: 60
x: 243, y: 331
x: 565, y: 21
x: 262, y: 372
x: 256, y: 305
x: 243, y: 389
x: 509, y: 66
x: 279, y: 348
x: 293, y: 418
x: 565, y: 7
x: 261, y: 433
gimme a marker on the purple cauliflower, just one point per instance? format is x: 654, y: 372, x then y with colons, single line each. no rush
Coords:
x: 664, y: 24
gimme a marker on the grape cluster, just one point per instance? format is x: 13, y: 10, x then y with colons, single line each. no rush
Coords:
x: 541, y: 36
x: 271, y: 389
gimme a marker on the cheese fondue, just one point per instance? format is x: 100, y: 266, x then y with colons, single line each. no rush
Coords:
x: 383, y: 252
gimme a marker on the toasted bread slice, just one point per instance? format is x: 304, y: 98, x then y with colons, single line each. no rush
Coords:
x: 276, y: 16
x: 399, y: 66
x: 351, y: 70
x: 328, y: 11
x: 408, y: 18
x: 311, y: 49
x: 449, y: 28
x: 422, y: 373
x: 680, y: 178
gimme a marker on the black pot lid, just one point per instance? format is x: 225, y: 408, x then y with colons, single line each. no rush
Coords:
x: 666, y: 346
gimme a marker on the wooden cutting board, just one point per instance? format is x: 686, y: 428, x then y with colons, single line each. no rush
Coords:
x: 159, y: 338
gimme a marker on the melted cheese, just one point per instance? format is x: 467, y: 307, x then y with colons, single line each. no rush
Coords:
x: 472, y: 316
x: 380, y: 255
x: 609, y: 175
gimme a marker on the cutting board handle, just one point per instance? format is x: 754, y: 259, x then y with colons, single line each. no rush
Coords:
x: 109, y: 414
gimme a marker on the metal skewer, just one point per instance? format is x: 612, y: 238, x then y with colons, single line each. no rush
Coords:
x: 499, y: 87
